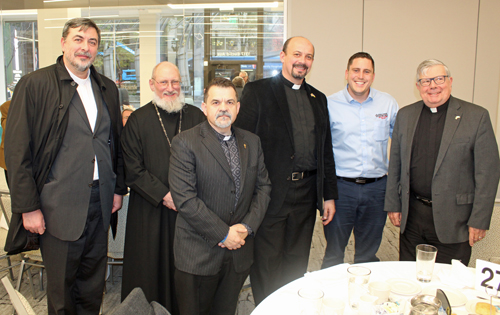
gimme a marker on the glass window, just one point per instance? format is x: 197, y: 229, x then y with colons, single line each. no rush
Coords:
x: 204, y: 41
x: 20, y: 49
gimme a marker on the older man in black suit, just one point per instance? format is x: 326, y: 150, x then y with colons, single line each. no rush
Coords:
x: 291, y: 118
x: 220, y: 187
x: 444, y: 169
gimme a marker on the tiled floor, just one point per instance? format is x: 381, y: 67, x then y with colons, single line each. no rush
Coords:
x: 388, y: 251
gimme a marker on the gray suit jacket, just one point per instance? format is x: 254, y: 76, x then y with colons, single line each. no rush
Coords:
x: 466, y: 174
x: 66, y: 194
x: 203, y: 191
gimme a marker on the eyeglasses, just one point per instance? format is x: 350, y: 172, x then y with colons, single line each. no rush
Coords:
x: 438, y: 80
x: 174, y: 83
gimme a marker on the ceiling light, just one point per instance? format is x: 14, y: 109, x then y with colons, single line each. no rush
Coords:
x: 224, y: 6
x: 18, y: 12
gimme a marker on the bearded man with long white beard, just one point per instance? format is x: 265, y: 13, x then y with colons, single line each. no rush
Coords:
x: 148, y: 257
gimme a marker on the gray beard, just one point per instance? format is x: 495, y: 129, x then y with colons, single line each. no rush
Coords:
x: 170, y: 106
x: 80, y: 67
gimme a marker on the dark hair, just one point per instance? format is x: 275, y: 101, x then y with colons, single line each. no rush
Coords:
x: 285, y: 45
x: 361, y: 54
x: 219, y: 82
x: 84, y: 25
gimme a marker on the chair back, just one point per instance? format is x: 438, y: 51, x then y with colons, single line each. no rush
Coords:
x: 117, y: 245
x: 19, y: 302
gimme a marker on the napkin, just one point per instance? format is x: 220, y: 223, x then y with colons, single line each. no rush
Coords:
x: 459, y: 276
x: 334, y: 273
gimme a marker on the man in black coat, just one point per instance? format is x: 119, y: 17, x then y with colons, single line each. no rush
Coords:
x: 65, y: 167
x: 291, y: 118
x: 148, y: 257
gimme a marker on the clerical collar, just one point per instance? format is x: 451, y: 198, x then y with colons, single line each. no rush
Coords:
x: 440, y: 108
x: 291, y: 84
x: 222, y: 137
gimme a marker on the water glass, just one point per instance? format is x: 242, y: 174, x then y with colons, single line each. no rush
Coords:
x: 311, y: 300
x: 426, y: 257
x: 358, y: 284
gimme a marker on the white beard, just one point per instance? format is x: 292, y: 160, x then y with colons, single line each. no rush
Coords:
x: 170, y: 106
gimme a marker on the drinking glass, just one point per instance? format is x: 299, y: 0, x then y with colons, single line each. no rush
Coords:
x: 311, y: 300
x: 358, y: 284
x: 426, y: 257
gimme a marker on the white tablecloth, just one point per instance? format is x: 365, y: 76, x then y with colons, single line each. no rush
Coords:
x: 333, y: 282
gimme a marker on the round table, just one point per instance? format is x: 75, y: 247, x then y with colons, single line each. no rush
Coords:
x: 333, y: 282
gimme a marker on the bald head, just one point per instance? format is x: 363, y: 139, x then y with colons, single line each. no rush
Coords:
x: 166, y: 66
x: 300, y: 39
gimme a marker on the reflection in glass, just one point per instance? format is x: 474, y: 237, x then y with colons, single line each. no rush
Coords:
x: 202, y: 42
x: 20, y: 49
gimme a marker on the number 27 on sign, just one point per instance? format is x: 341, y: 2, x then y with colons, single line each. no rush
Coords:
x: 487, y: 275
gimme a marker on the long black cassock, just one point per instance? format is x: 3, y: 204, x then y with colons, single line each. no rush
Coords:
x: 148, y: 257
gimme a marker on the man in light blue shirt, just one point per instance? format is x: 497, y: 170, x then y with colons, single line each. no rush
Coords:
x: 361, y: 121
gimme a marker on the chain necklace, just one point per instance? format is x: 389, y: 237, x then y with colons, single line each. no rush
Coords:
x: 163, y: 127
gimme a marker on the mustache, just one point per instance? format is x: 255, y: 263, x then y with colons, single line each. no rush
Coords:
x: 224, y: 113
x: 174, y: 92
x: 86, y: 54
x: 301, y: 65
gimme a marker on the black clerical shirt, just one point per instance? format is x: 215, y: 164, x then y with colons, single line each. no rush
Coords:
x: 230, y: 147
x: 303, y: 124
x: 425, y: 149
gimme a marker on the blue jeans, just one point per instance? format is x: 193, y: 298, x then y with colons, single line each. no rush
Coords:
x: 359, y: 207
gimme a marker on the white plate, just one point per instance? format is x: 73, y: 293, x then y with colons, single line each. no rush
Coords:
x: 470, y: 306
x: 404, y: 286
x: 455, y: 297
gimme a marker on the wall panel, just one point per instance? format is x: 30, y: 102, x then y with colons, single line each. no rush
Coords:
x: 401, y: 34
x: 335, y: 29
x: 488, y: 59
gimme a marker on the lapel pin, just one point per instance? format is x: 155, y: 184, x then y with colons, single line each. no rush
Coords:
x: 313, y: 95
x: 457, y: 117
x: 245, y: 145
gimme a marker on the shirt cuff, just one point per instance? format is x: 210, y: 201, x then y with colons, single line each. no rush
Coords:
x: 249, y: 229
x: 225, y: 238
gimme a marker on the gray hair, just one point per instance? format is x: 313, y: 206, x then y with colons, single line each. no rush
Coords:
x: 426, y: 64
x: 84, y: 25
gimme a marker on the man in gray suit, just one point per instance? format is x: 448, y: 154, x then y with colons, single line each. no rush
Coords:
x: 443, y: 171
x: 65, y: 166
x: 220, y: 187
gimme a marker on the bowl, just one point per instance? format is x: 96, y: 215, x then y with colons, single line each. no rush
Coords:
x: 426, y: 299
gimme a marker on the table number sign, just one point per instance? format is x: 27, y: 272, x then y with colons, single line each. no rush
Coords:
x: 487, y: 275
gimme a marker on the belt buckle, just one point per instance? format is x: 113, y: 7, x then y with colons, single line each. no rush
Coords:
x: 360, y: 180
x: 427, y: 202
x: 297, y: 176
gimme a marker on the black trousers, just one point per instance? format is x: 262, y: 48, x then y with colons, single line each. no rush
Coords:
x: 420, y: 229
x: 214, y: 295
x: 283, y: 242
x: 76, y: 270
